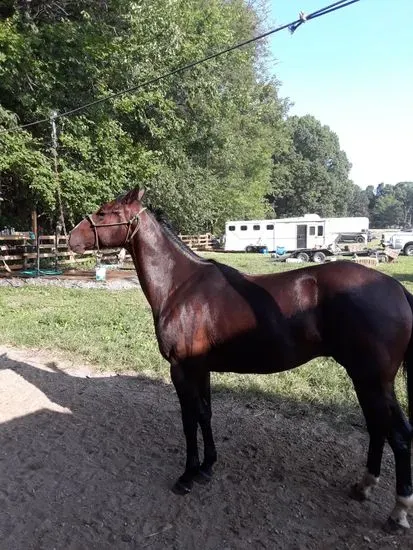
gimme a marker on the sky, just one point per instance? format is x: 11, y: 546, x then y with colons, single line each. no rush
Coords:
x: 352, y: 70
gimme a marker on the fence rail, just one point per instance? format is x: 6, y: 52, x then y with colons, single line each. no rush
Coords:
x: 20, y: 252
x: 198, y: 242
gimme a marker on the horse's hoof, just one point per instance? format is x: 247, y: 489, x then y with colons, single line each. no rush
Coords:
x: 182, y: 488
x: 203, y: 477
x: 392, y: 526
x: 357, y: 493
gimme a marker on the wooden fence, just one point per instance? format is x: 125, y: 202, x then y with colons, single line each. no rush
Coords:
x: 18, y: 251
x: 198, y: 242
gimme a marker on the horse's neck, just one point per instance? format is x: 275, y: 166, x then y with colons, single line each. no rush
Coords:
x: 160, y: 263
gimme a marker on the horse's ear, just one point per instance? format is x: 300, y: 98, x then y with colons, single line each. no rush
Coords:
x: 135, y: 194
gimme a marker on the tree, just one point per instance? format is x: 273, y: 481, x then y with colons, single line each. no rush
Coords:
x: 391, y: 205
x: 312, y: 174
x: 200, y: 140
x: 388, y: 211
x: 358, y: 202
x: 26, y: 177
x: 403, y: 192
x: 371, y: 197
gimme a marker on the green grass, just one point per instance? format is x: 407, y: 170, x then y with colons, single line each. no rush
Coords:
x: 114, y: 331
x: 250, y: 263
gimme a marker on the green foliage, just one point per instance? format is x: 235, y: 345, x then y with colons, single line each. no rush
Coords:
x: 200, y: 140
x: 210, y: 144
x: 312, y: 174
x: 390, y: 205
x: 358, y: 202
x: 26, y: 178
x: 403, y: 193
x: 387, y: 211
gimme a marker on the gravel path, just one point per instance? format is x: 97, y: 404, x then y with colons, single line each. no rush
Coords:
x: 112, y: 283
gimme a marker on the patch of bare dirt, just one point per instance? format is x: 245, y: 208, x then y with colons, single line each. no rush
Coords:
x: 116, y: 279
x: 87, y: 461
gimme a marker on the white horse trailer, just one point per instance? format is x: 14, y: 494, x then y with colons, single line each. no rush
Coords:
x: 306, y: 232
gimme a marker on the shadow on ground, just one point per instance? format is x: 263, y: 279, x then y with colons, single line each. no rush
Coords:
x: 91, y: 465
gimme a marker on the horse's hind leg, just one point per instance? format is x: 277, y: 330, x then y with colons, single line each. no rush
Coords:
x: 385, y: 419
x: 376, y: 413
x: 399, y: 438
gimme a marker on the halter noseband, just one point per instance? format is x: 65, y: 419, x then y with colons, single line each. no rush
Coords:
x: 129, y: 223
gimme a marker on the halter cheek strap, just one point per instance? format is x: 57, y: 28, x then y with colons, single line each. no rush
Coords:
x: 138, y: 224
x: 129, y: 223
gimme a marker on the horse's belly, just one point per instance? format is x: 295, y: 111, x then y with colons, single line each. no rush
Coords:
x: 260, y: 357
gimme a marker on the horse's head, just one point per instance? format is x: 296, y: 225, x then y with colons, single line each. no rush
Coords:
x: 112, y: 226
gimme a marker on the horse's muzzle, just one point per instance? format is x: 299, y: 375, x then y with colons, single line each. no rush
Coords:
x: 75, y: 245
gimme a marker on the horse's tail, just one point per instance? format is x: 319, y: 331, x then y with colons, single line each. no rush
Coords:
x: 408, y: 365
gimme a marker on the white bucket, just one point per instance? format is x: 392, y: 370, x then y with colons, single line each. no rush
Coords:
x: 101, y: 273
x: 293, y: 261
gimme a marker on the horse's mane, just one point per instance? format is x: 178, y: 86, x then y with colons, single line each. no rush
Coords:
x: 168, y: 228
x: 120, y: 197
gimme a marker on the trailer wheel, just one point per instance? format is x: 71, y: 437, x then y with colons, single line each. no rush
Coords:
x: 249, y: 248
x: 303, y: 256
x: 319, y: 257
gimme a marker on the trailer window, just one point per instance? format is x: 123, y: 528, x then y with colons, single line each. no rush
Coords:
x: 231, y: 228
x: 312, y: 229
x: 256, y: 227
x: 243, y: 227
x: 270, y: 227
x: 320, y: 231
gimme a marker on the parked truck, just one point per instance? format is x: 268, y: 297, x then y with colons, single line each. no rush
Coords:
x: 402, y: 241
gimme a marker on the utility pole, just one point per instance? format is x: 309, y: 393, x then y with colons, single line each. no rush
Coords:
x: 54, y: 153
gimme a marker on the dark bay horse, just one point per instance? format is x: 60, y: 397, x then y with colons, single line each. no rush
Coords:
x: 210, y: 317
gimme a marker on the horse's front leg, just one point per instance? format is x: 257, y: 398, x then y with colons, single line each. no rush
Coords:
x: 205, y: 414
x: 187, y: 390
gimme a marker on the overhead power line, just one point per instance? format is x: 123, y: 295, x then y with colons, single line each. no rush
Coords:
x: 293, y: 26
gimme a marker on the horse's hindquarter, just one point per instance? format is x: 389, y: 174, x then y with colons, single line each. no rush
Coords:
x: 365, y: 315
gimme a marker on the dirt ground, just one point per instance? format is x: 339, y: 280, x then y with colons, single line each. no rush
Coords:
x: 87, y: 461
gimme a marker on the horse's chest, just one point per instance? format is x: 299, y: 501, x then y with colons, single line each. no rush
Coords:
x: 182, y: 340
